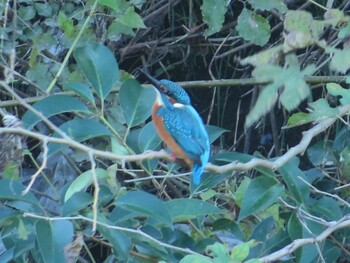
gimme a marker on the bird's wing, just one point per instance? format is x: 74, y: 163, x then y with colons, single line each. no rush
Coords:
x: 187, y: 129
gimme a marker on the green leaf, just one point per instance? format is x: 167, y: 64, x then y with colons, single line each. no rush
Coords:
x: 269, y: 237
x: 99, y: 67
x: 22, y: 231
x: 341, y: 60
x: 77, y: 202
x: 296, y: 230
x: 299, y: 118
x: 43, y: 9
x: 136, y: 102
x: 344, y: 163
x: 79, y: 130
x: 266, y: 100
x: 253, y: 27
x: 219, y: 252
x: 213, y: 12
x: 322, y: 110
x: 84, y: 129
x: 214, y: 132
x: 321, y: 153
x: 298, y: 20
x: 240, y: 192
x: 120, y: 242
x: 299, y: 24
x: 52, y: 237
x: 149, y: 140
x: 290, y: 173
x: 131, y: 19
x: 225, y: 224
x: 269, y: 5
x: 345, y: 31
x: 145, y: 204
x: 116, y: 30
x: 52, y: 105
x: 334, y: 17
x: 262, y: 192
x: 326, y: 208
x: 295, y: 88
x: 26, y: 12
x: 11, y: 171
x: 336, y: 90
x: 241, y: 251
x: 290, y: 78
x: 113, y: 4
x: 83, y: 181
x: 117, y: 147
x: 269, y: 56
x: 7, y: 213
x: 39, y: 73
x: 81, y: 89
x: 66, y: 24
x: 184, y: 209
x: 11, y: 190
x: 331, y: 251
x: 23, y: 246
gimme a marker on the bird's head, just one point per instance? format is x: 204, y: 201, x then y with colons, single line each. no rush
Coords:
x: 174, y: 92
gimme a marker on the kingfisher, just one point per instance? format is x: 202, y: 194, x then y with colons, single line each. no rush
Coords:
x: 180, y: 126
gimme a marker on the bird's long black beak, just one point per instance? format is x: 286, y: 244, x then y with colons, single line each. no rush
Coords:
x: 156, y: 83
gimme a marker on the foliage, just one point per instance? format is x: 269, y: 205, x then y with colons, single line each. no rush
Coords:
x: 94, y: 185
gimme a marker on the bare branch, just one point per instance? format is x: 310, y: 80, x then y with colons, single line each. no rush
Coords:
x: 255, y: 162
x: 122, y: 229
x: 294, y: 151
x: 289, y: 249
x: 325, y: 193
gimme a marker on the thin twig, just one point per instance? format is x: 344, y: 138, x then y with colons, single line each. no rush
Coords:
x: 122, y: 229
x: 41, y: 168
x: 325, y: 193
x: 96, y: 190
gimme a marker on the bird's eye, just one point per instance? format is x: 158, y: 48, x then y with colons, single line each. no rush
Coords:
x: 165, y: 90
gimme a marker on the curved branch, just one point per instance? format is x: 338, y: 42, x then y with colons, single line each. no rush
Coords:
x: 292, y: 152
x: 287, y: 250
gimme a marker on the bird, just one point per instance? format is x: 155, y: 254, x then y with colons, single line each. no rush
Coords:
x: 180, y: 126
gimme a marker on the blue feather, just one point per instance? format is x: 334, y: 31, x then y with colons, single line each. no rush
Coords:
x: 187, y: 128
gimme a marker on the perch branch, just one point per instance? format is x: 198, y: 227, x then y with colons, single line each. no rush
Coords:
x: 294, y: 151
x: 287, y: 250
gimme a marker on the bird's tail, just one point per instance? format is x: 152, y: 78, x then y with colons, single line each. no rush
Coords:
x: 197, y: 173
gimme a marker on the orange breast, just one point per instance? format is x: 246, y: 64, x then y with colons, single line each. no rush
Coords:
x: 167, y: 138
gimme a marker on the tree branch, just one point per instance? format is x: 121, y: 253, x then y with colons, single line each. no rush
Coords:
x: 287, y: 250
x: 122, y: 229
x: 255, y: 162
x: 294, y: 151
